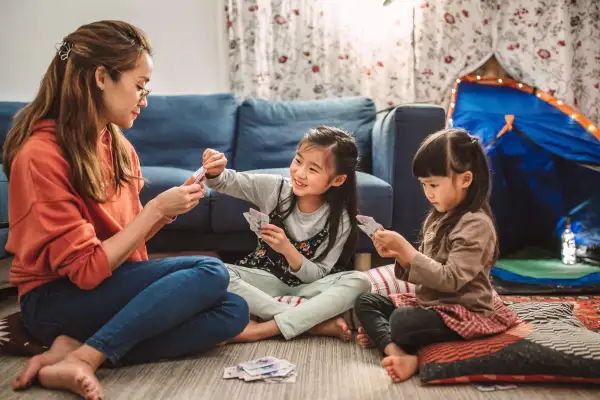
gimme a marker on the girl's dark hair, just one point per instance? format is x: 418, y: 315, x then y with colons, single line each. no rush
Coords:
x: 344, y: 197
x: 455, y: 151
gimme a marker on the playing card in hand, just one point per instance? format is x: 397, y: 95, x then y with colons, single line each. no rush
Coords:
x: 368, y: 225
x: 199, y: 174
x: 261, y: 218
x: 252, y: 222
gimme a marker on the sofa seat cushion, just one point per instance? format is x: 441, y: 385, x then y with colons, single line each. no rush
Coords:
x: 375, y: 199
x: 160, y: 179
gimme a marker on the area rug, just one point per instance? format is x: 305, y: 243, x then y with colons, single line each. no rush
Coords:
x: 587, y: 308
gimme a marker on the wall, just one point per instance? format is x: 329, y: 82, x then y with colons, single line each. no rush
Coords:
x: 188, y: 39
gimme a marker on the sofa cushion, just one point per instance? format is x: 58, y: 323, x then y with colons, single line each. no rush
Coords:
x: 173, y: 131
x: 550, y: 345
x: 268, y: 131
x: 160, y: 179
x: 8, y: 109
x: 375, y: 199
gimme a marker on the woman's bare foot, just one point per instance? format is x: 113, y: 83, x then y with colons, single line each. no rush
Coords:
x: 364, y: 339
x: 401, y: 368
x: 335, y: 327
x: 62, y: 346
x: 74, y: 375
x: 256, y: 331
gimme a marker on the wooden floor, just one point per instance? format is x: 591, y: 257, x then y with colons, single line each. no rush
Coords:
x: 328, y: 369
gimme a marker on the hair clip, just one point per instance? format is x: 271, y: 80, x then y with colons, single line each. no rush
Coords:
x: 64, y: 50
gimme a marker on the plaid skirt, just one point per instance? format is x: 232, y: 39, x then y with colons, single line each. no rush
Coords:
x: 468, y: 324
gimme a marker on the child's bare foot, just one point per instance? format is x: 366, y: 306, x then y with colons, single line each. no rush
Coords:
x: 364, y: 339
x: 62, y: 346
x: 256, y: 331
x: 250, y: 322
x: 74, y: 375
x: 401, y: 368
x: 335, y: 327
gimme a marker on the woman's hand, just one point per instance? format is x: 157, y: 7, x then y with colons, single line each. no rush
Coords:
x: 275, y: 237
x: 214, y: 162
x: 179, y: 200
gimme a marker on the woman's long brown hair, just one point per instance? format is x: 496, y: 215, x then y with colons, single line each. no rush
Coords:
x: 68, y: 94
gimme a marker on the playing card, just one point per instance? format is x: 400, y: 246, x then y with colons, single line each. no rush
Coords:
x: 233, y: 372
x: 291, y: 378
x: 368, y: 225
x: 199, y: 174
x: 267, y: 369
x: 258, y: 363
x: 272, y: 374
x: 252, y: 222
x: 264, y: 370
x: 260, y: 218
x: 491, y: 387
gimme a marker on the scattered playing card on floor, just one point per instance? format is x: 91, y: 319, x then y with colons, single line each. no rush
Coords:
x: 233, y: 372
x: 267, y: 369
x: 492, y: 387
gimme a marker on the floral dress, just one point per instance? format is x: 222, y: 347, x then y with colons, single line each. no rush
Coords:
x: 267, y: 259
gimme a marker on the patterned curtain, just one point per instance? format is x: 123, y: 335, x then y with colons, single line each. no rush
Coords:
x: 413, y: 50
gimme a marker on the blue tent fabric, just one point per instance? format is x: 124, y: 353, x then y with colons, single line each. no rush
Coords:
x: 541, y: 169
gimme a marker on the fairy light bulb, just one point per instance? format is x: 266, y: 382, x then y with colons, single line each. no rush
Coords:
x: 458, y: 81
x: 499, y: 80
x: 560, y: 103
x: 478, y: 77
x: 520, y: 85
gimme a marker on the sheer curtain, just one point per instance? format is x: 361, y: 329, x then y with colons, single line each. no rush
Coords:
x: 411, y: 51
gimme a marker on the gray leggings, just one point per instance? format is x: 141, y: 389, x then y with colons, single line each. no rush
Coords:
x: 408, y: 327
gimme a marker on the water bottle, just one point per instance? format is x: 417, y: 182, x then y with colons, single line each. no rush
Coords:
x: 568, y: 247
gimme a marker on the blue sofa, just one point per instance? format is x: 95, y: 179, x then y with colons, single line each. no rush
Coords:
x: 259, y: 135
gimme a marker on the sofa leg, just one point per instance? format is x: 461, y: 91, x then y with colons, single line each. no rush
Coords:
x: 362, y: 262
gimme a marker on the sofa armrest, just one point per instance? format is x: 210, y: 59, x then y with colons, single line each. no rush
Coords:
x: 397, y: 135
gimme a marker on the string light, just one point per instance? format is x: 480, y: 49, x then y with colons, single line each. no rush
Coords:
x: 453, y: 90
x: 574, y: 116
x: 452, y: 105
x: 458, y: 81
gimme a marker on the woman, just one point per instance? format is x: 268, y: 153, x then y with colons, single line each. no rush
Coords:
x: 77, y: 227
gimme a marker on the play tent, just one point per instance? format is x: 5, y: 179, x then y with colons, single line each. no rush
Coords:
x: 545, y: 160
